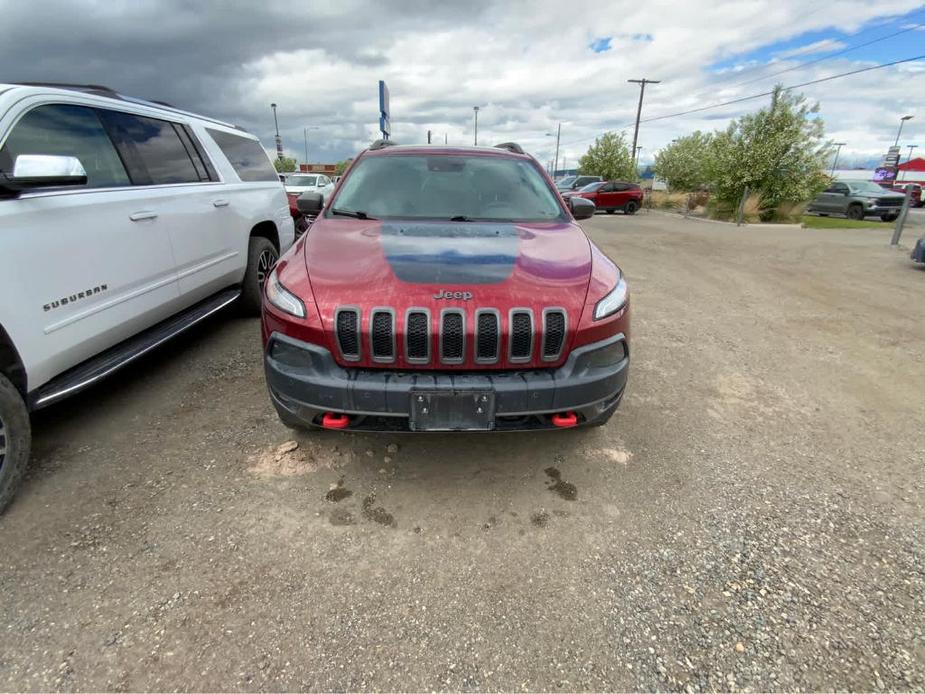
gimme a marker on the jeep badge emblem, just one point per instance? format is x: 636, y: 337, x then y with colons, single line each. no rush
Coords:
x: 444, y: 294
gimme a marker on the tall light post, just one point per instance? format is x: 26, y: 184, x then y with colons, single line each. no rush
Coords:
x: 555, y: 166
x: 642, y: 90
x: 279, y: 140
x: 475, y: 109
x: 902, y: 121
x: 911, y: 147
x: 838, y: 146
x: 305, y: 133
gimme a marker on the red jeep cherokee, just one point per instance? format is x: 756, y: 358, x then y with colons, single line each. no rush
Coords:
x: 445, y: 289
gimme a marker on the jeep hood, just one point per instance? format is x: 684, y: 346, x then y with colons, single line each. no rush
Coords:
x: 403, y: 264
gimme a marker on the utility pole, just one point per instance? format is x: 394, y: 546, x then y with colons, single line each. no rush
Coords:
x: 838, y: 146
x: 911, y: 147
x: 642, y: 90
x: 555, y: 166
x: 475, y: 109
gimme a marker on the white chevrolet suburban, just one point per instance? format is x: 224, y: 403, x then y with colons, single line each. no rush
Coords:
x: 122, y: 223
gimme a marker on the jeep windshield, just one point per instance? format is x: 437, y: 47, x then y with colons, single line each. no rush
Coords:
x: 455, y: 188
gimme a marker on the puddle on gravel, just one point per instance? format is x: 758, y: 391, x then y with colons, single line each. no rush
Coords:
x: 338, y: 492
x: 566, y: 490
x: 539, y: 518
x: 377, y: 514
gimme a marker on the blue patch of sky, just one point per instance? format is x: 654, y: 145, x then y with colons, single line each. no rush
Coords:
x: 601, y: 44
x: 903, y: 46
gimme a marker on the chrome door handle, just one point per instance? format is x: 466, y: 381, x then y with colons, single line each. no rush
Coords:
x: 143, y: 214
x: 221, y: 203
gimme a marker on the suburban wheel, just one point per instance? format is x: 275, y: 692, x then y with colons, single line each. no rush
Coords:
x: 630, y: 207
x: 15, y: 438
x: 889, y: 217
x: 261, y: 257
x: 856, y: 212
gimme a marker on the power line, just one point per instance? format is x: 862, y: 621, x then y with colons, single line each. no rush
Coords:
x: 829, y: 57
x: 758, y: 96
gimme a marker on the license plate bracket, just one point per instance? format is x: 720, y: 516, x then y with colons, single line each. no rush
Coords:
x: 452, y: 410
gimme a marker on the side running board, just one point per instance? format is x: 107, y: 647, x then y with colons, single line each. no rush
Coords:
x: 114, y: 358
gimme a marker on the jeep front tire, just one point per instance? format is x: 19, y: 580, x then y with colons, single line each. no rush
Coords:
x: 15, y: 439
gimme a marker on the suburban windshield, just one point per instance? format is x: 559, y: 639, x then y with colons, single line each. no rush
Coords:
x: 865, y: 187
x: 302, y: 180
x: 591, y: 187
x: 458, y: 188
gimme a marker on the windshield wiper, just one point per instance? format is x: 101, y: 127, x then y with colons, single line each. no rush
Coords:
x: 356, y: 214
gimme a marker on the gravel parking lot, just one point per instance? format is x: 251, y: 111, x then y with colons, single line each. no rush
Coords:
x: 750, y: 519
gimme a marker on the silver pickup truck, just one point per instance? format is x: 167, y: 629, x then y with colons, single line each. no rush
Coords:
x: 857, y: 200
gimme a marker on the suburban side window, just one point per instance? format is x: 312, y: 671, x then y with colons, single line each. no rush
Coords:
x: 152, y: 149
x: 67, y: 130
x: 247, y: 157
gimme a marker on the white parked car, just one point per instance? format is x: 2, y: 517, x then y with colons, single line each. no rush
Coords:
x: 122, y: 223
x: 299, y: 183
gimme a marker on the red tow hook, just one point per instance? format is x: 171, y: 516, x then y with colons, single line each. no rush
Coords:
x: 564, y: 420
x: 333, y: 420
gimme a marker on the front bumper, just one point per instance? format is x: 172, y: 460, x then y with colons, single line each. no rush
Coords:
x: 305, y: 382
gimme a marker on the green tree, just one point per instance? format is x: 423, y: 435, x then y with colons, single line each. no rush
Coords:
x: 609, y: 157
x: 341, y: 166
x: 779, y: 153
x: 284, y: 164
x: 684, y: 164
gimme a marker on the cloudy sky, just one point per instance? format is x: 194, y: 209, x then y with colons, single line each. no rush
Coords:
x: 528, y: 65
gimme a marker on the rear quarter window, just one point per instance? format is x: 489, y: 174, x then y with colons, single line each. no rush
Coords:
x: 247, y: 157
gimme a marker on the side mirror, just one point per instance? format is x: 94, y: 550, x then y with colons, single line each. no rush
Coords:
x: 45, y: 171
x: 310, y: 204
x: 581, y: 208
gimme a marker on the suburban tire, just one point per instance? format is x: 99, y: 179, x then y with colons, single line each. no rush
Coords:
x: 630, y: 207
x: 261, y: 257
x: 15, y: 439
x: 856, y: 212
x: 889, y: 217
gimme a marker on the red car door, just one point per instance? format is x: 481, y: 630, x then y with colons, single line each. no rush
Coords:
x: 605, y: 197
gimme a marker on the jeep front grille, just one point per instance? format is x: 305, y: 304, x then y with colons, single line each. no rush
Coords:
x: 554, y: 329
x: 417, y: 336
x: 390, y: 337
x: 382, y: 334
x: 521, y: 327
x: 452, y: 336
x: 347, y: 326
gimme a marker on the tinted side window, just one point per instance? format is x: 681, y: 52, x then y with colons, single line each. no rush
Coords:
x: 153, y: 150
x: 248, y: 158
x: 65, y: 130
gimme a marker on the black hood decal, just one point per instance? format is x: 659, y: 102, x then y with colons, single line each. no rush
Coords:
x: 450, y: 253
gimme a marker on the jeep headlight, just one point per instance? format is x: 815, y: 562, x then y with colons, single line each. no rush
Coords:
x: 613, y: 302
x: 282, y: 298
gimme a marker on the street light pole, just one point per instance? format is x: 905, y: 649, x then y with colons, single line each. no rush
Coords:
x: 475, y: 109
x: 642, y: 90
x: 902, y: 122
x: 279, y: 141
x: 305, y: 133
x: 911, y: 147
x: 838, y: 146
x: 555, y: 166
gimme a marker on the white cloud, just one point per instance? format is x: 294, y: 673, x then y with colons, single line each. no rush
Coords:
x: 528, y: 66
x: 823, y: 46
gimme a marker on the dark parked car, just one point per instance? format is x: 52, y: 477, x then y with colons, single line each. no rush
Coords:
x: 445, y: 289
x: 611, y: 196
x: 856, y: 200
x: 575, y: 182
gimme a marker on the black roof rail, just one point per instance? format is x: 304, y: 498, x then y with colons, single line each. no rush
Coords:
x: 511, y: 147
x: 90, y: 88
x: 382, y: 144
